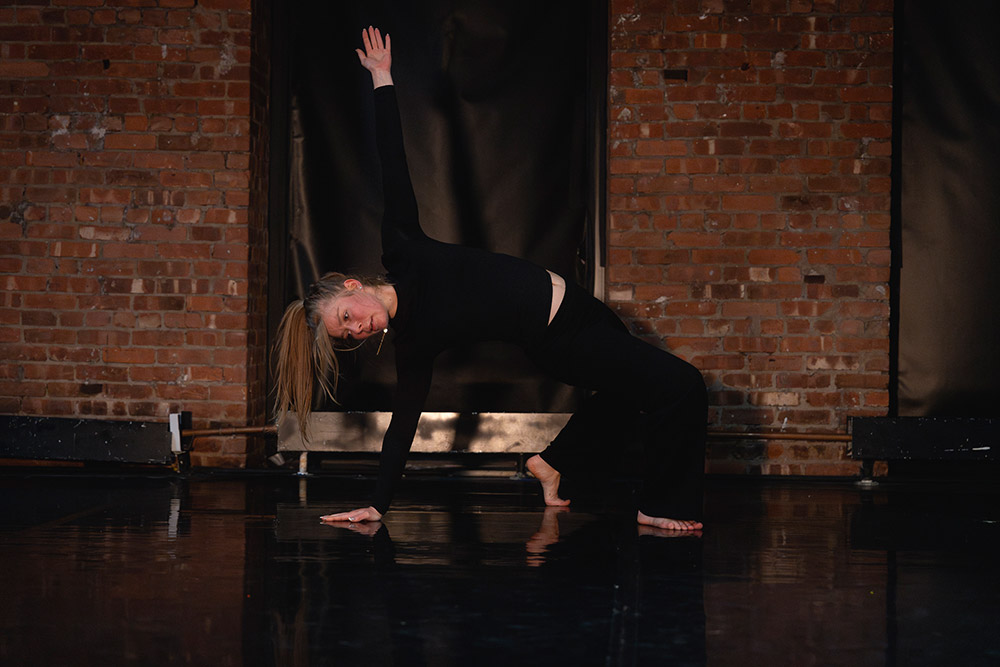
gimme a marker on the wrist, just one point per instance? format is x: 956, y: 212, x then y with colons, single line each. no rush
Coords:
x: 381, y: 78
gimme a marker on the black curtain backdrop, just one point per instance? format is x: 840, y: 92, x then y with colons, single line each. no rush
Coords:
x: 949, y: 209
x: 493, y: 98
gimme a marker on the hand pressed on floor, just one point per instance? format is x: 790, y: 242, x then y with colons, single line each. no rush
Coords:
x: 360, y: 514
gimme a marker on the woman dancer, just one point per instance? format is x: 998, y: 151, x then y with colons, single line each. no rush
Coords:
x: 438, y: 295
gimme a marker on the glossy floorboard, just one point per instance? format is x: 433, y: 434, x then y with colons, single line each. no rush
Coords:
x: 237, y: 570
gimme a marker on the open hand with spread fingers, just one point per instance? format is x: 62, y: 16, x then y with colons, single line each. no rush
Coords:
x: 377, y: 56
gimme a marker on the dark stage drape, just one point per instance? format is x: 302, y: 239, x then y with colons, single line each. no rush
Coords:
x: 493, y: 98
x: 949, y: 209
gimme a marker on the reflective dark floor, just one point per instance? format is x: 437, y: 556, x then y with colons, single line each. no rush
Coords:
x: 237, y: 570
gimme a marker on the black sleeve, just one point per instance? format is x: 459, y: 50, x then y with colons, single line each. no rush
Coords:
x: 413, y: 380
x: 400, y: 221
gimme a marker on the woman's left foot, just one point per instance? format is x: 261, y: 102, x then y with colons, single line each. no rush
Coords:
x: 549, y: 477
x: 668, y: 524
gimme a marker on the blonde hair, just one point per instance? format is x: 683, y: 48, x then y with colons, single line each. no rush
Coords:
x: 304, y: 353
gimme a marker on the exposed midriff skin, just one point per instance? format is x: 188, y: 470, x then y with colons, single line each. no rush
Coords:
x: 558, y: 292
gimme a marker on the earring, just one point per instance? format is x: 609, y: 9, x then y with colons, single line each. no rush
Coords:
x: 384, y: 332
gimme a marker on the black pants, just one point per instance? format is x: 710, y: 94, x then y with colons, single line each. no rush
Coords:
x: 636, y: 387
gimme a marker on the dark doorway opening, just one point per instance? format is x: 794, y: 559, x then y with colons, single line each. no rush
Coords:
x: 504, y: 115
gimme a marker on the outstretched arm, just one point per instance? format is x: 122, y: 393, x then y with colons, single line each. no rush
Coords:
x: 377, y: 56
x: 400, y: 219
x: 414, y: 380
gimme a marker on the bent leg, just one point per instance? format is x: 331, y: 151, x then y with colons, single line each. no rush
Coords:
x: 674, y: 450
x: 604, y: 419
x: 636, y: 384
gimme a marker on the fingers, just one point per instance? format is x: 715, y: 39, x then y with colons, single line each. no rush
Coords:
x: 372, y: 39
x: 367, y: 42
x: 361, y: 514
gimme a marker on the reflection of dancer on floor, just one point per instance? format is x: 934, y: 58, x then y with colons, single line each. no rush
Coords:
x: 546, y: 535
x: 439, y: 295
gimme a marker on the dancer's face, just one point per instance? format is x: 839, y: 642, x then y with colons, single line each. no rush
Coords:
x: 357, y: 313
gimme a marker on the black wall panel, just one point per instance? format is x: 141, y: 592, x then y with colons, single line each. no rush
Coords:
x: 948, y: 125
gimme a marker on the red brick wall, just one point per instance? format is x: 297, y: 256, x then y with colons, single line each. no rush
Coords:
x: 749, y: 209
x: 124, y: 168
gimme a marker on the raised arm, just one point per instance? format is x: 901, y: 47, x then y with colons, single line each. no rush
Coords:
x: 400, y: 221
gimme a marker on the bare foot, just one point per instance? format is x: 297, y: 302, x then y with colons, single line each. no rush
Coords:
x: 668, y: 524
x: 549, y: 477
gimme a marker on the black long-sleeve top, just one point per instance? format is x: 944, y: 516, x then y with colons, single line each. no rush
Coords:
x: 447, y: 295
